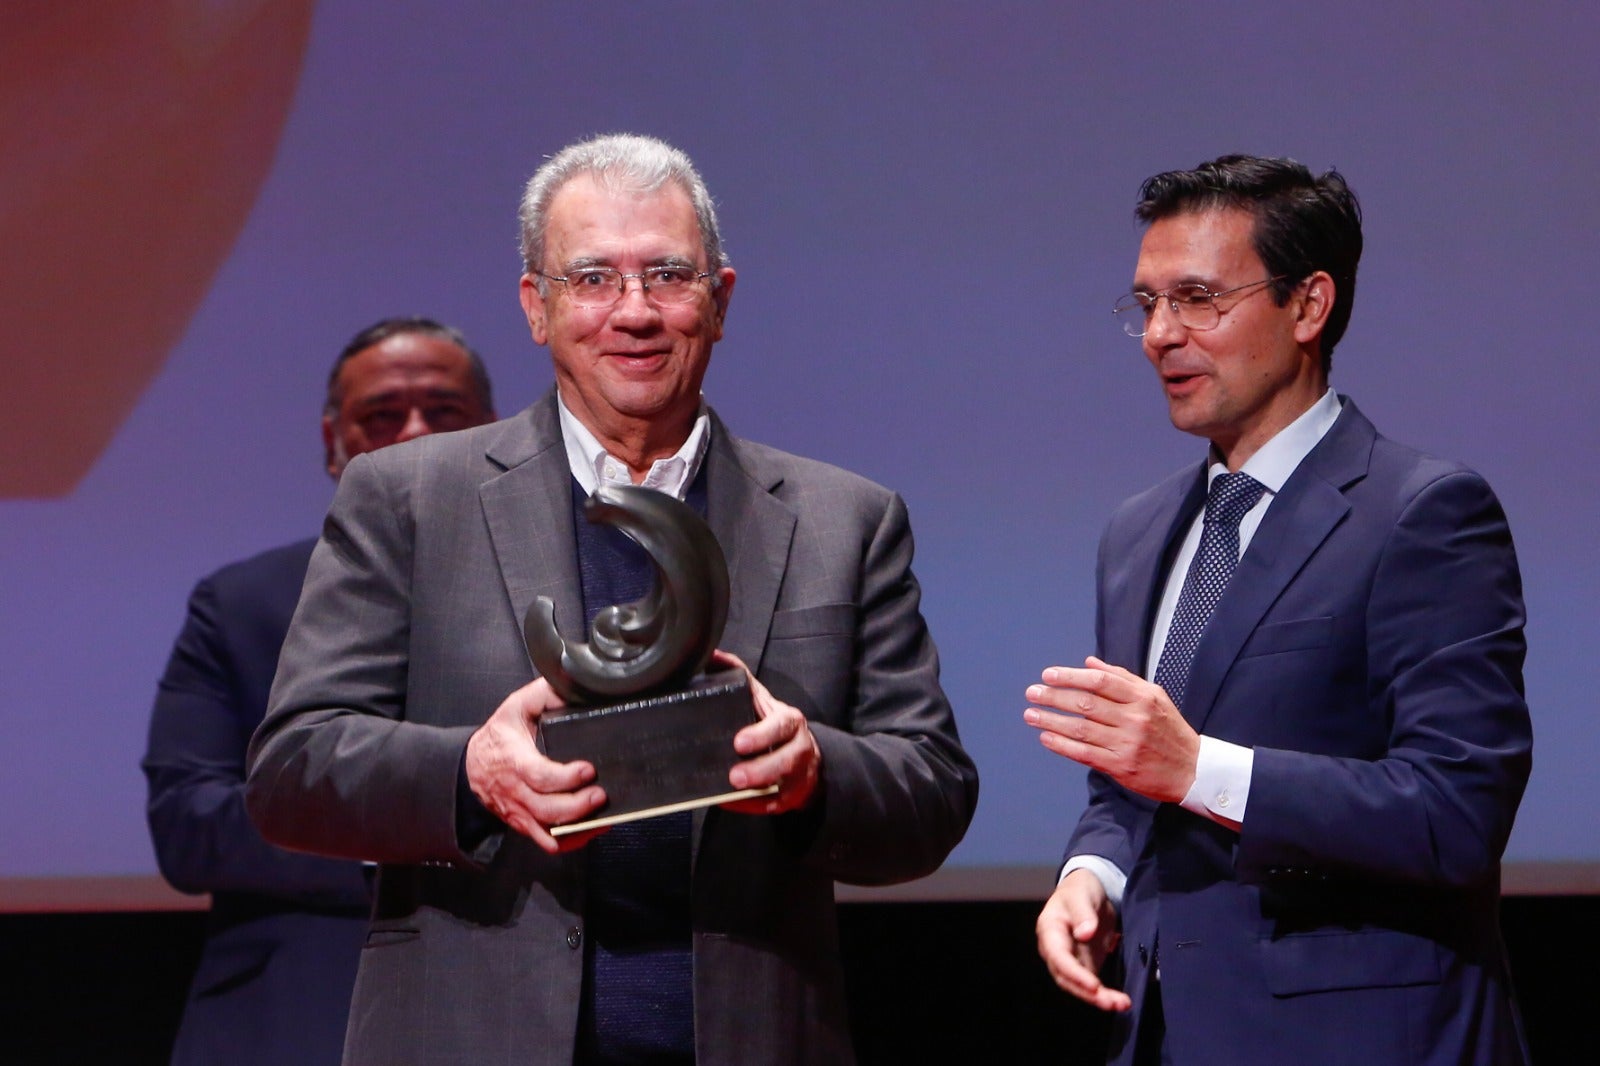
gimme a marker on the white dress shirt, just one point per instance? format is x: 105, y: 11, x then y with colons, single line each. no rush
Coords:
x: 592, y: 466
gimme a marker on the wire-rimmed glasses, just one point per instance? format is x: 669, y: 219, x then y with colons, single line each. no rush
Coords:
x: 600, y: 286
x: 1193, y: 303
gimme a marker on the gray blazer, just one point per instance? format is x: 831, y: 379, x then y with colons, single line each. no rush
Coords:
x: 408, y: 636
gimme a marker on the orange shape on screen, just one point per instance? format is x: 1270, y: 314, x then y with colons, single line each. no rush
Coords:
x: 135, y: 138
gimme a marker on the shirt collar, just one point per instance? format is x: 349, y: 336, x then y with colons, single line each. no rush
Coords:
x: 592, y: 466
x: 1275, y: 460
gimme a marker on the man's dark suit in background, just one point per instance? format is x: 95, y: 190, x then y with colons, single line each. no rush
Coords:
x: 285, y: 929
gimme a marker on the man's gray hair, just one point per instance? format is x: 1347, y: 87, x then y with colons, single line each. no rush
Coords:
x: 623, y: 162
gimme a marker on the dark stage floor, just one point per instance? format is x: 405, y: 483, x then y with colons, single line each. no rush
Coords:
x: 929, y: 983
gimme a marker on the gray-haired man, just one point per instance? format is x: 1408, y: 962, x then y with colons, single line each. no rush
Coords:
x: 707, y: 938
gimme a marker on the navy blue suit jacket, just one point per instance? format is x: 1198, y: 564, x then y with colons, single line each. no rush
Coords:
x: 1369, y: 649
x: 285, y: 930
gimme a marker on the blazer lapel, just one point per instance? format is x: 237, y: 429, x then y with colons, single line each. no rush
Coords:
x: 755, y: 530
x: 1311, y: 504
x: 1136, y: 581
x: 528, y: 509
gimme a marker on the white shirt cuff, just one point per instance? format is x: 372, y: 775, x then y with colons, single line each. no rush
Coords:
x: 1221, y: 786
x: 1113, y: 879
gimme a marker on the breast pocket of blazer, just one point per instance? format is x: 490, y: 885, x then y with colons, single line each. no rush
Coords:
x: 1301, y: 634
x: 825, y: 619
x: 810, y: 657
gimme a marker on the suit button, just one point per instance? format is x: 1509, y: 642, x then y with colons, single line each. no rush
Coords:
x: 574, y: 938
x: 1144, y: 955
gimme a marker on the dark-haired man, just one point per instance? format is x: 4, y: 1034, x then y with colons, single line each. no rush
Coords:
x: 404, y: 717
x: 1304, y: 718
x: 273, y: 984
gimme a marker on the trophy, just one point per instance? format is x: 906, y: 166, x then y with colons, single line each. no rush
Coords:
x: 658, y: 730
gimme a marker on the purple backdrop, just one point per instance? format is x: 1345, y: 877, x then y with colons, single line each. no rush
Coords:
x: 929, y: 208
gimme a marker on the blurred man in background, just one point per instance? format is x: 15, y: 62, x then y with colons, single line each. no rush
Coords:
x: 285, y: 929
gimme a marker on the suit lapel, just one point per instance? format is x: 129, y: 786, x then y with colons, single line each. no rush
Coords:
x: 1311, y: 504
x: 528, y: 509
x: 1137, y: 580
x: 755, y: 530
x: 529, y: 513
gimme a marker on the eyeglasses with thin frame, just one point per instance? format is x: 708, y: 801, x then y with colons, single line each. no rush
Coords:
x: 604, y: 286
x: 1194, y: 304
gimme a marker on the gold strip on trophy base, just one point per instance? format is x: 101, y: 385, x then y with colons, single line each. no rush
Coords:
x: 670, y: 808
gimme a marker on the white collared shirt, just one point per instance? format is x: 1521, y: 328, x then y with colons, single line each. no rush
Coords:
x: 593, y: 466
x: 1221, y: 786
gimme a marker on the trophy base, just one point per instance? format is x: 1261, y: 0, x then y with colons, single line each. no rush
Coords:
x: 658, y: 755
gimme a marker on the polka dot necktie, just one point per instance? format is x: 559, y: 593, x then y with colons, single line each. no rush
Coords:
x: 1230, y: 497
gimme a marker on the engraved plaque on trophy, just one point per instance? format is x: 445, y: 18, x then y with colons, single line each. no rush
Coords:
x: 658, y: 730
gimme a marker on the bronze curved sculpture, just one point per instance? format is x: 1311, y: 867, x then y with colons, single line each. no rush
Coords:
x: 658, y: 643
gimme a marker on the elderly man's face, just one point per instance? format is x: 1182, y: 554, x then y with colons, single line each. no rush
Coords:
x: 635, y: 362
x: 406, y: 386
x: 1240, y: 383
